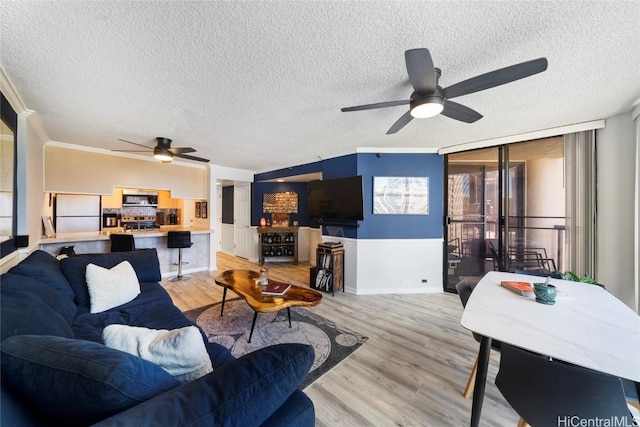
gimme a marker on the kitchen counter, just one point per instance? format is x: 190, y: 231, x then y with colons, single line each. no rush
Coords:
x: 197, y: 256
x: 104, y: 234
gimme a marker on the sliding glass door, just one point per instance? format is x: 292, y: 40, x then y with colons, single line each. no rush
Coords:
x: 505, y: 210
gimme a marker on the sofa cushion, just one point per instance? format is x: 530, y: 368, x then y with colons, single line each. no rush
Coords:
x: 244, y: 392
x: 180, y: 352
x: 153, y: 309
x: 90, y: 381
x: 33, y: 288
x: 30, y: 307
x: 44, y: 267
x: 111, y: 287
x: 144, y: 262
x: 296, y: 411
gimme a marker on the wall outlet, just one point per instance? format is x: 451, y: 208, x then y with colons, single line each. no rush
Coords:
x: 424, y: 281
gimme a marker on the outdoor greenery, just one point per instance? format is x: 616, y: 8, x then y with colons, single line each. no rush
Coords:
x: 570, y: 275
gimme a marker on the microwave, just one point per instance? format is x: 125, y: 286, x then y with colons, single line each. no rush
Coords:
x: 139, y: 199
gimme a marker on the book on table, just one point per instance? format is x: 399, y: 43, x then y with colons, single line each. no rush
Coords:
x: 523, y: 288
x: 276, y: 289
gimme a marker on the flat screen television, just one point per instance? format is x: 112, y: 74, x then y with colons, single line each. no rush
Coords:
x: 336, y: 199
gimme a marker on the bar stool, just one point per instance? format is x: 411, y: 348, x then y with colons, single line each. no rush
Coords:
x: 179, y: 240
x: 122, y: 243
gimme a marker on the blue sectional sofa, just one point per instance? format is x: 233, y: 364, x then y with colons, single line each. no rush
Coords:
x: 57, y: 371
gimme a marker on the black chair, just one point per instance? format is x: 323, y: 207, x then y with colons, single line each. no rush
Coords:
x: 122, y: 243
x: 179, y: 240
x: 464, y: 292
x: 547, y: 392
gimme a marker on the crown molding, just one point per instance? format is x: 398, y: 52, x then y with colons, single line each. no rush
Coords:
x: 33, y: 118
x: 10, y: 93
x: 400, y: 150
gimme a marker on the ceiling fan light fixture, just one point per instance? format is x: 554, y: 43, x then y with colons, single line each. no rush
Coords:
x: 163, y: 156
x: 427, y: 106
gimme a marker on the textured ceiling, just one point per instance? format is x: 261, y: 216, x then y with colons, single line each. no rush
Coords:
x: 259, y: 85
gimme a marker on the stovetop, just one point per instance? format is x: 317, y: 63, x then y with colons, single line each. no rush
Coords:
x: 139, y: 222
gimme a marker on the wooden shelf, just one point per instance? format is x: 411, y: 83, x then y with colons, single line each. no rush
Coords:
x: 278, y: 244
x: 328, y: 274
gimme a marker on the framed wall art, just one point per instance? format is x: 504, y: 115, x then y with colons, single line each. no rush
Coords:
x: 394, y: 195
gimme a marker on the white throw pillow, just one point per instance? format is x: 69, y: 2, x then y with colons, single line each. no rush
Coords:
x: 180, y: 352
x: 109, y: 288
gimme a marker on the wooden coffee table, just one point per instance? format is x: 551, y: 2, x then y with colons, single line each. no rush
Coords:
x: 243, y: 283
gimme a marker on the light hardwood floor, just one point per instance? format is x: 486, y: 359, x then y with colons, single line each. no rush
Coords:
x: 411, y: 371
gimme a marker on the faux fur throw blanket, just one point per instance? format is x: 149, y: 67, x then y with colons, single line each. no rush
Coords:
x: 181, y: 352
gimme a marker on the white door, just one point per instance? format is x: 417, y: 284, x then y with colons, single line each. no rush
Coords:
x: 244, y: 234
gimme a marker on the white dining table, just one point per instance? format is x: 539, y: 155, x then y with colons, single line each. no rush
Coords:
x: 587, y: 326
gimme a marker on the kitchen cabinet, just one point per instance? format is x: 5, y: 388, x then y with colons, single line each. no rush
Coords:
x: 113, y: 201
x: 165, y: 201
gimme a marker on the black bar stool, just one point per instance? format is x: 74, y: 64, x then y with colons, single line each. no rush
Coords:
x: 179, y: 240
x: 122, y: 243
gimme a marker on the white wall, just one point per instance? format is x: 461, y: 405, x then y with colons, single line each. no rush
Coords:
x: 30, y: 181
x: 636, y: 264
x: 391, y: 266
x: 34, y: 196
x: 67, y: 170
x: 616, y: 153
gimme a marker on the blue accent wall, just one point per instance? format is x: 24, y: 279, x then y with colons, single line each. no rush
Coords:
x: 402, y: 226
x: 259, y: 188
x: 368, y: 165
x: 340, y: 167
x: 290, y: 171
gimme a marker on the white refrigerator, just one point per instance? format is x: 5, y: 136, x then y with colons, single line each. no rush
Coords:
x: 77, y: 213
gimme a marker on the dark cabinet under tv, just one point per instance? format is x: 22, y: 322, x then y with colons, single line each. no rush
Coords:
x: 278, y: 244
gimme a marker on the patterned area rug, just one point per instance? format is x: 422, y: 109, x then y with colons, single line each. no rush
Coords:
x: 331, y: 342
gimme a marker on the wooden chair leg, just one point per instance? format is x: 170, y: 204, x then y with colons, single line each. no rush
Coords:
x: 523, y: 423
x: 468, y: 390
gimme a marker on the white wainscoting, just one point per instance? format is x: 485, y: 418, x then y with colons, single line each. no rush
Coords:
x: 392, y: 266
x: 310, y: 237
x: 228, y: 238
x: 399, y: 266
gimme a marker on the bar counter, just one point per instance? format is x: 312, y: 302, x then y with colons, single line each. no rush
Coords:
x: 197, y: 256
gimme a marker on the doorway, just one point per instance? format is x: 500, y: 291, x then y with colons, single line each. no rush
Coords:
x: 505, y: 210
x: 244, y: 235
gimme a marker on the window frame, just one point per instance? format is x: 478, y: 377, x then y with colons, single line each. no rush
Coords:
x: 10, y: 117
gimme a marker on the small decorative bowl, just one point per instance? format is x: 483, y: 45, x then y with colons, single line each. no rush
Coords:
x: 545, y: 294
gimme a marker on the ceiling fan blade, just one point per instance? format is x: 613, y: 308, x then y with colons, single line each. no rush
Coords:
x: 134, y: 143
x: 402, y: 122
x: 456, y: 111
x: 198, y: 159
x: 134, y: 151
x: 374, y: 106
x: 420, y: 69
x: 182, y: 150
x: 496, y: 78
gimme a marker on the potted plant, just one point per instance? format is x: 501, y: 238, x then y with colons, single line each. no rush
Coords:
x: 570, y: 275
